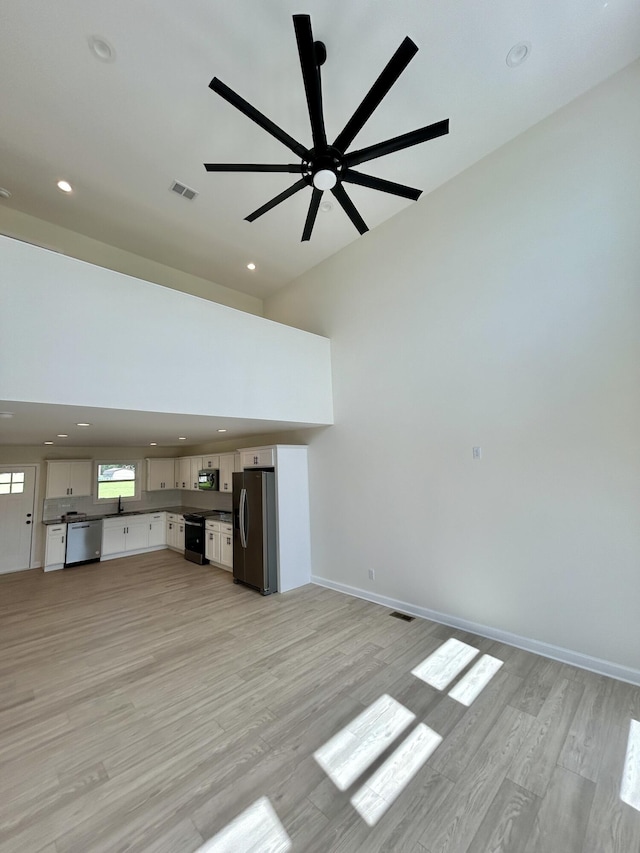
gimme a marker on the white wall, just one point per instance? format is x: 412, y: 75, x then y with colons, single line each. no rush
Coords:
x: 15, y: 223
x: 75, y: 334
x: 500, y: 311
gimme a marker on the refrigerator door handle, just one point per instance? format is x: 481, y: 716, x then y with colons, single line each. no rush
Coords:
x: 243, y: 529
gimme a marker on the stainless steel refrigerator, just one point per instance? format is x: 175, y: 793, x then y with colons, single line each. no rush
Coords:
x: 254, y: 530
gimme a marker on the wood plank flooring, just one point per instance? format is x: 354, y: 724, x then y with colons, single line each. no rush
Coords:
x: 145, y: 703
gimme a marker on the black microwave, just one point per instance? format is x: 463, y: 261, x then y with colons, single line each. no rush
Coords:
x: 208, y: 479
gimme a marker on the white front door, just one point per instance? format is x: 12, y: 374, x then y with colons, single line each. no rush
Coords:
x: 17, y: 500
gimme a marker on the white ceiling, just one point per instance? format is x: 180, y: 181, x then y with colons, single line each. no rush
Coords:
x: 121, y: 132
x: 35, y: 423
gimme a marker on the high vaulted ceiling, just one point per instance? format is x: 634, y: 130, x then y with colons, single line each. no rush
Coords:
x: 121, y: 132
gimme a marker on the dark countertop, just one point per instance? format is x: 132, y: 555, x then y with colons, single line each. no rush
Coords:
x: 178, y: 510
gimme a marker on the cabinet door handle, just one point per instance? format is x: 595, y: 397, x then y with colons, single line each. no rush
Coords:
x: 70, y: 491
x: 63, y: 540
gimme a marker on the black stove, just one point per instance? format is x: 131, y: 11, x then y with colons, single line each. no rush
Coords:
x: 194, y: 533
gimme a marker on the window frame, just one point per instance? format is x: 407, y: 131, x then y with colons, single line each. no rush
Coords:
x: 136, y: 496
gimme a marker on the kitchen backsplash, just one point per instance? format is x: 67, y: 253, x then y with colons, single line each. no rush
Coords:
x: 56, y: 507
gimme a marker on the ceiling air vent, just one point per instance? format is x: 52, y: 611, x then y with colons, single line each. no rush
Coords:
x: 184, y: 191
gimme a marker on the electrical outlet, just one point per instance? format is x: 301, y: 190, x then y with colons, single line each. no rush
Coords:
x: 372, y: 575
x: 477, y: 453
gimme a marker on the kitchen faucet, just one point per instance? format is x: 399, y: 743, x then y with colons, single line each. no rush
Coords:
x: 120, y: 507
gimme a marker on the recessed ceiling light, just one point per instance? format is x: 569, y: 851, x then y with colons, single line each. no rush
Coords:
x: 101, y: 49
x: 153, y: 444
x: 182, y: 438
x: 65, y: 186
x: 62, y: 435
x: 6, y: 414
x: 83, y: 425
x: 4, y: 193
x: 251, y: 266
x: 48, y: 442
x: 518, y: 53
x: 222, y: 430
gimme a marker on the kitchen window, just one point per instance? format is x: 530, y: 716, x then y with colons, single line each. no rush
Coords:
x: 117, y: 480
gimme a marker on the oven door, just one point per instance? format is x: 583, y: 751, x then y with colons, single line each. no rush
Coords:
x: 194, y: 541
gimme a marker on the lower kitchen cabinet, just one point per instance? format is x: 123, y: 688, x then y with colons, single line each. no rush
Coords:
x: 218, y: 544
x: 212, y: 543
x: 132, y: 535
x: 226, y: 546
x: 157, y: 530
x: 175, y: 531
x: 55, y: 547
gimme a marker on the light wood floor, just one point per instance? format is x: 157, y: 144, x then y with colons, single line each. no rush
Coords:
x: 145, y: 702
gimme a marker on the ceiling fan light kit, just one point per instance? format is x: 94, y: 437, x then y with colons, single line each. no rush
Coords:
x: 328, y: 167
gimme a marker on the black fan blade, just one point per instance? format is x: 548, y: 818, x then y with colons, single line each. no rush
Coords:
x: 277, y: 199
x: 311, y: 216
x: 311, y: 77
x: 394, y: 68
x: 414, y: 137
x: 353, y: 177
x: 252, y: 167
x: 265, y: 123
x: 349, y: 208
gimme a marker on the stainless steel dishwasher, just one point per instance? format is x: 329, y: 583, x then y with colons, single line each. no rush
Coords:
x: 84, y: 542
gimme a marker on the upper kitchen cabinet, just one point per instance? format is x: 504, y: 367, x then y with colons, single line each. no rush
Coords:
x: 69, y: 477
x: 229, y: 462
x: 196, y: 467
x: 183, y: 472
x: 160, y: 474
x: 210, y: 463
x: 257, y: 457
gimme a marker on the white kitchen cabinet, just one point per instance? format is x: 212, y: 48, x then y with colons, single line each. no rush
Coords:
x: 68, y: 477
x: 229, y: 462
x: 226, y: 546
x: 158, y: 530
x: 55, y: 547
x: 160, y: 474
x: 210, y: 462
x: 183, y: 472
x: 212, y: 541
x: 196, y: 467
x: 218, y: 544
x: 131, y: 534
x: 175, y: 531
x: 257, y: 457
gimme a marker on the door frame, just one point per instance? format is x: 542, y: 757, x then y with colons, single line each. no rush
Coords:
x: 33, y: 563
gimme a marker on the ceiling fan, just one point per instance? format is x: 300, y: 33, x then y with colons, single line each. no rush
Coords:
x: 329, y: 166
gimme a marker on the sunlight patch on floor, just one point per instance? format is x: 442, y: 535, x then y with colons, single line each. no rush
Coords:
x: 442, y: 666
x: 473, y: 683
x: 348, y: 754
x: 256, y: 830
x: 388, y: 782
x: 630, y: 788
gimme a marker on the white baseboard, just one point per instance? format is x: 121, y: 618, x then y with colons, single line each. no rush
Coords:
x: 600, y: 667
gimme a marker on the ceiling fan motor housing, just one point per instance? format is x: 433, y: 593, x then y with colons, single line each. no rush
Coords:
x: 319, y: 168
